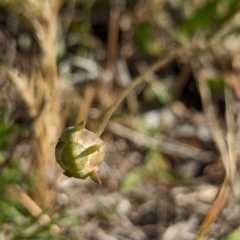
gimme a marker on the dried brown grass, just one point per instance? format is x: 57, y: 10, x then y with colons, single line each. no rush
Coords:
x: 38, y: 89
x: 225, y: 143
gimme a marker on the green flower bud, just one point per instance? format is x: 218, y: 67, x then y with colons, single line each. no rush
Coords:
x: 80, y: 152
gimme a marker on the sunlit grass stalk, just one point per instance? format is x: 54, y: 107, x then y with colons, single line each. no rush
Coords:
x: 226, y: 146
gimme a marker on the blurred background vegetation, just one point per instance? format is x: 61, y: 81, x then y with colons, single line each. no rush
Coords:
x: 172, y: 155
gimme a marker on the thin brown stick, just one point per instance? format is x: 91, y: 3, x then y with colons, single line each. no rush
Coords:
x: 33, y: 208
x: 85, y: 104
x: 230, y: 138
x: 116, y: 9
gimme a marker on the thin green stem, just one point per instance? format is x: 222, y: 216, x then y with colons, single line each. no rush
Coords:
x: 140, y: 78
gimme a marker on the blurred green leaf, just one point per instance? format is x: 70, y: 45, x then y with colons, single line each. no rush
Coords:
x: 9, y: 175
x: 8, y: 209
x: 211, y: 15
x: 158, y: 168
x: 201, y: 17
x: 161, y: 93
x: 6, y: 130
x: 144, y: 39
x: 155, y: 166
x: 217, y: 83
x: 132, y: 178
x: 235, y: 235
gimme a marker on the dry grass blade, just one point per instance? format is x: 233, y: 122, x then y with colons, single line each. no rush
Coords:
x: 215, y: 209
x: 210, y: 113
x: 33, y: 208
x: 225, y: 144
x: 116, y: 8
x: 23, y: 89
x: 231, y: 138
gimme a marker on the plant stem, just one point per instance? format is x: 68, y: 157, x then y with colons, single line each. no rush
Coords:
x: 140, y: 78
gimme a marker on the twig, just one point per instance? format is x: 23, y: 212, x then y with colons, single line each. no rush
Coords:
x: 159, y: 64
x: 162, y: 143
x: 85, y: 103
